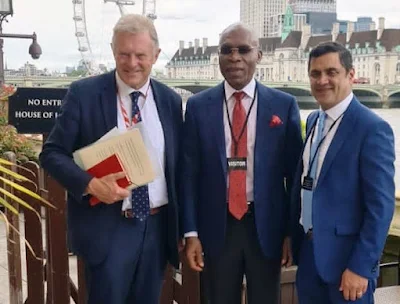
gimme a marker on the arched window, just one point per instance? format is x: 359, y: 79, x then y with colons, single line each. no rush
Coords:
x: 377, y: 68
x: 281, y: 69
x: 377, y: 72
x: 398, y: 68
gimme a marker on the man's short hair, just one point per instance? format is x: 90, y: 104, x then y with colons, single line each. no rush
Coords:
x: 332, y: 47
x: 134, y: 24
x: 239, y: 26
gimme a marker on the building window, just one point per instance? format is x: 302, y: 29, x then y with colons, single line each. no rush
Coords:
x: 398, y: 68
x: 377, y: 72
x: 281, y: 70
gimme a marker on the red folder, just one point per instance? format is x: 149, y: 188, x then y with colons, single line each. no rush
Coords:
x: 111, y: 164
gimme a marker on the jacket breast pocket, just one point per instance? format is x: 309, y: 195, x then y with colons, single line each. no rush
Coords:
x: 347, y: 229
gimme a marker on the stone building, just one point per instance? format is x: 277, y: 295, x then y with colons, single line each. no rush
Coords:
x: 376, y: 55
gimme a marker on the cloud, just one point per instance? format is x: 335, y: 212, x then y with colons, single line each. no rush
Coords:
x: 177, y: 20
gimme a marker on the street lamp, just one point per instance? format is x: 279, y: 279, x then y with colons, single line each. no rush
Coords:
x: 35, y: 50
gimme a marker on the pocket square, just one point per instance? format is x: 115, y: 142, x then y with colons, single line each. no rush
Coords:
x: 275, y: 121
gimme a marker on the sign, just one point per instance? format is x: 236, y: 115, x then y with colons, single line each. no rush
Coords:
x: 34, y: 110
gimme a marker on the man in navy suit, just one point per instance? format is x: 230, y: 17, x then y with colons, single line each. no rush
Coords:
x: 127, y: 239
x: 241, y: 145
x: 343, y: 199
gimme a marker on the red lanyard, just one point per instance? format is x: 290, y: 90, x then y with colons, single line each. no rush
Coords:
x: 123, y: 110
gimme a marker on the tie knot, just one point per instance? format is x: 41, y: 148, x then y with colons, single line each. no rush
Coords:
x: 321, y: 122
x: 239, y: 95
x: 322, y: 116
x: 135, y: 96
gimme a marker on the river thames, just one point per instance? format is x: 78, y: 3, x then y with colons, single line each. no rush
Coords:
x: 392, y: 116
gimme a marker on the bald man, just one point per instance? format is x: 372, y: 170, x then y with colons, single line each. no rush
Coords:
x: 241, y: 144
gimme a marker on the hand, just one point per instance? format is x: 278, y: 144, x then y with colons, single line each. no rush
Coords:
x: 106, y: 188
x: 287, y: 259
x: 194, y: 253
x: 352, y: 285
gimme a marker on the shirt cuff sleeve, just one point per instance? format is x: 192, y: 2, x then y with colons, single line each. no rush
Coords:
x: 191, y: 234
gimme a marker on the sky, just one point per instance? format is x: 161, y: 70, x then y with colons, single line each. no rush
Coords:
x: 52, y: 20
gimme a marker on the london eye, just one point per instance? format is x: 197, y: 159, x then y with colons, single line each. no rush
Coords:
x: 82, y: 33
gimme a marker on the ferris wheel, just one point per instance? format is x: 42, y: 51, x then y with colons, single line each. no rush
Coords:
x: 81, y: 26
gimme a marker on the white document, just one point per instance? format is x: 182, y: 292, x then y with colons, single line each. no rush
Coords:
x: 130, y: 148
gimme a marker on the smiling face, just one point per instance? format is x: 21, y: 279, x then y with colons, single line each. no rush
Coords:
x: 238, y: 57
x: 134, y: 56
x: 329, y: 80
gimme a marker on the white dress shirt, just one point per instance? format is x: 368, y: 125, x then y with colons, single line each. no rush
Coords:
x: 251, y: 129
x: 153, y: 137
x: 249, y: 89
x: 333, y: 114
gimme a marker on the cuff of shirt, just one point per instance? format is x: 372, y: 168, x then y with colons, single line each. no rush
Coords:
x: 191, y: 234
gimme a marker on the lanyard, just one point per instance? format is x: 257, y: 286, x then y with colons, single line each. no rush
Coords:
x: 319, y: 144
x: 123, y: 110
x: 234, y: 139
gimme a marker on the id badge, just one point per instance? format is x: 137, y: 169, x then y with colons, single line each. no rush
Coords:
x: 237, y: 163
x: 308, y: 183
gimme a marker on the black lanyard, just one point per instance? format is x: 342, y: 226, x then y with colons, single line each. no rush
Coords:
x: 234, y: 140
x: 320, y: 143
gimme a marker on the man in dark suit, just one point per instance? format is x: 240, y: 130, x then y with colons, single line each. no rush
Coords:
x: 241, y: 145
x: 343, y: 199
x: 125, y: 251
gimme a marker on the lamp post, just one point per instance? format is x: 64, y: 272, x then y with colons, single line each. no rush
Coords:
x: 35, y: 50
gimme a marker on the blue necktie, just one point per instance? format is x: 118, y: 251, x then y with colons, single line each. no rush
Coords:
x: 140, y: 195
x: 307, y: 194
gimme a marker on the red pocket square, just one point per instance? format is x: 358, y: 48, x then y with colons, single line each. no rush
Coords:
x: 275, y: 121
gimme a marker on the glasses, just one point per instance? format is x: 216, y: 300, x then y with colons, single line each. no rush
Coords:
x: 242, y: 50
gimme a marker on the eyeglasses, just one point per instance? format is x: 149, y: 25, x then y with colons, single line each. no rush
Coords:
x: 242, y: 50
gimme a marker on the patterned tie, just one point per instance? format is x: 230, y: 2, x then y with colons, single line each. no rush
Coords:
x: 237, y: 178
x: 308, y: 195
x: 140, y: 195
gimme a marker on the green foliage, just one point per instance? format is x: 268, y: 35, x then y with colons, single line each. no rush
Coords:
x: 10, y: 140
x: 76, y: 73
x: 303, y: 129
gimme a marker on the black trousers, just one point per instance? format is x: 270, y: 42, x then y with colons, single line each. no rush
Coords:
x: 242, y: 256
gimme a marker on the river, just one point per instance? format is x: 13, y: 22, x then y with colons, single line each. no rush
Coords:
x: 392, y: 116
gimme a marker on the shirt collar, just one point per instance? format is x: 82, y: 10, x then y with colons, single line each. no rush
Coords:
x: 248, y: 89
x: 124, y: 90
x: 340, y: 108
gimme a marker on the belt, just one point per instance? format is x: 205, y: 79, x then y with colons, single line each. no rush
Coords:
x: 309, y: 234
x: 128, y: 213
x: 250, y: 208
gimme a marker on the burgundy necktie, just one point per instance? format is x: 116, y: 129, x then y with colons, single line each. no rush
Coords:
x: 237, y: 178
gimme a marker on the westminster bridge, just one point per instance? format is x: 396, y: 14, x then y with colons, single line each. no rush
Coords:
x: 372, y: 95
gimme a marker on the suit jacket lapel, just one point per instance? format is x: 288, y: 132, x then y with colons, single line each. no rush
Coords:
x: 164, y: 113
x: 216, y: 121
x: 311, y: 121
x: 109, y: 101
x: 311, y: 124
x: 264, y: 116
x: 344, y: 129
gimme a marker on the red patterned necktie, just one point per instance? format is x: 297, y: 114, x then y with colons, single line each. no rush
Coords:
x: 237, y: 178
